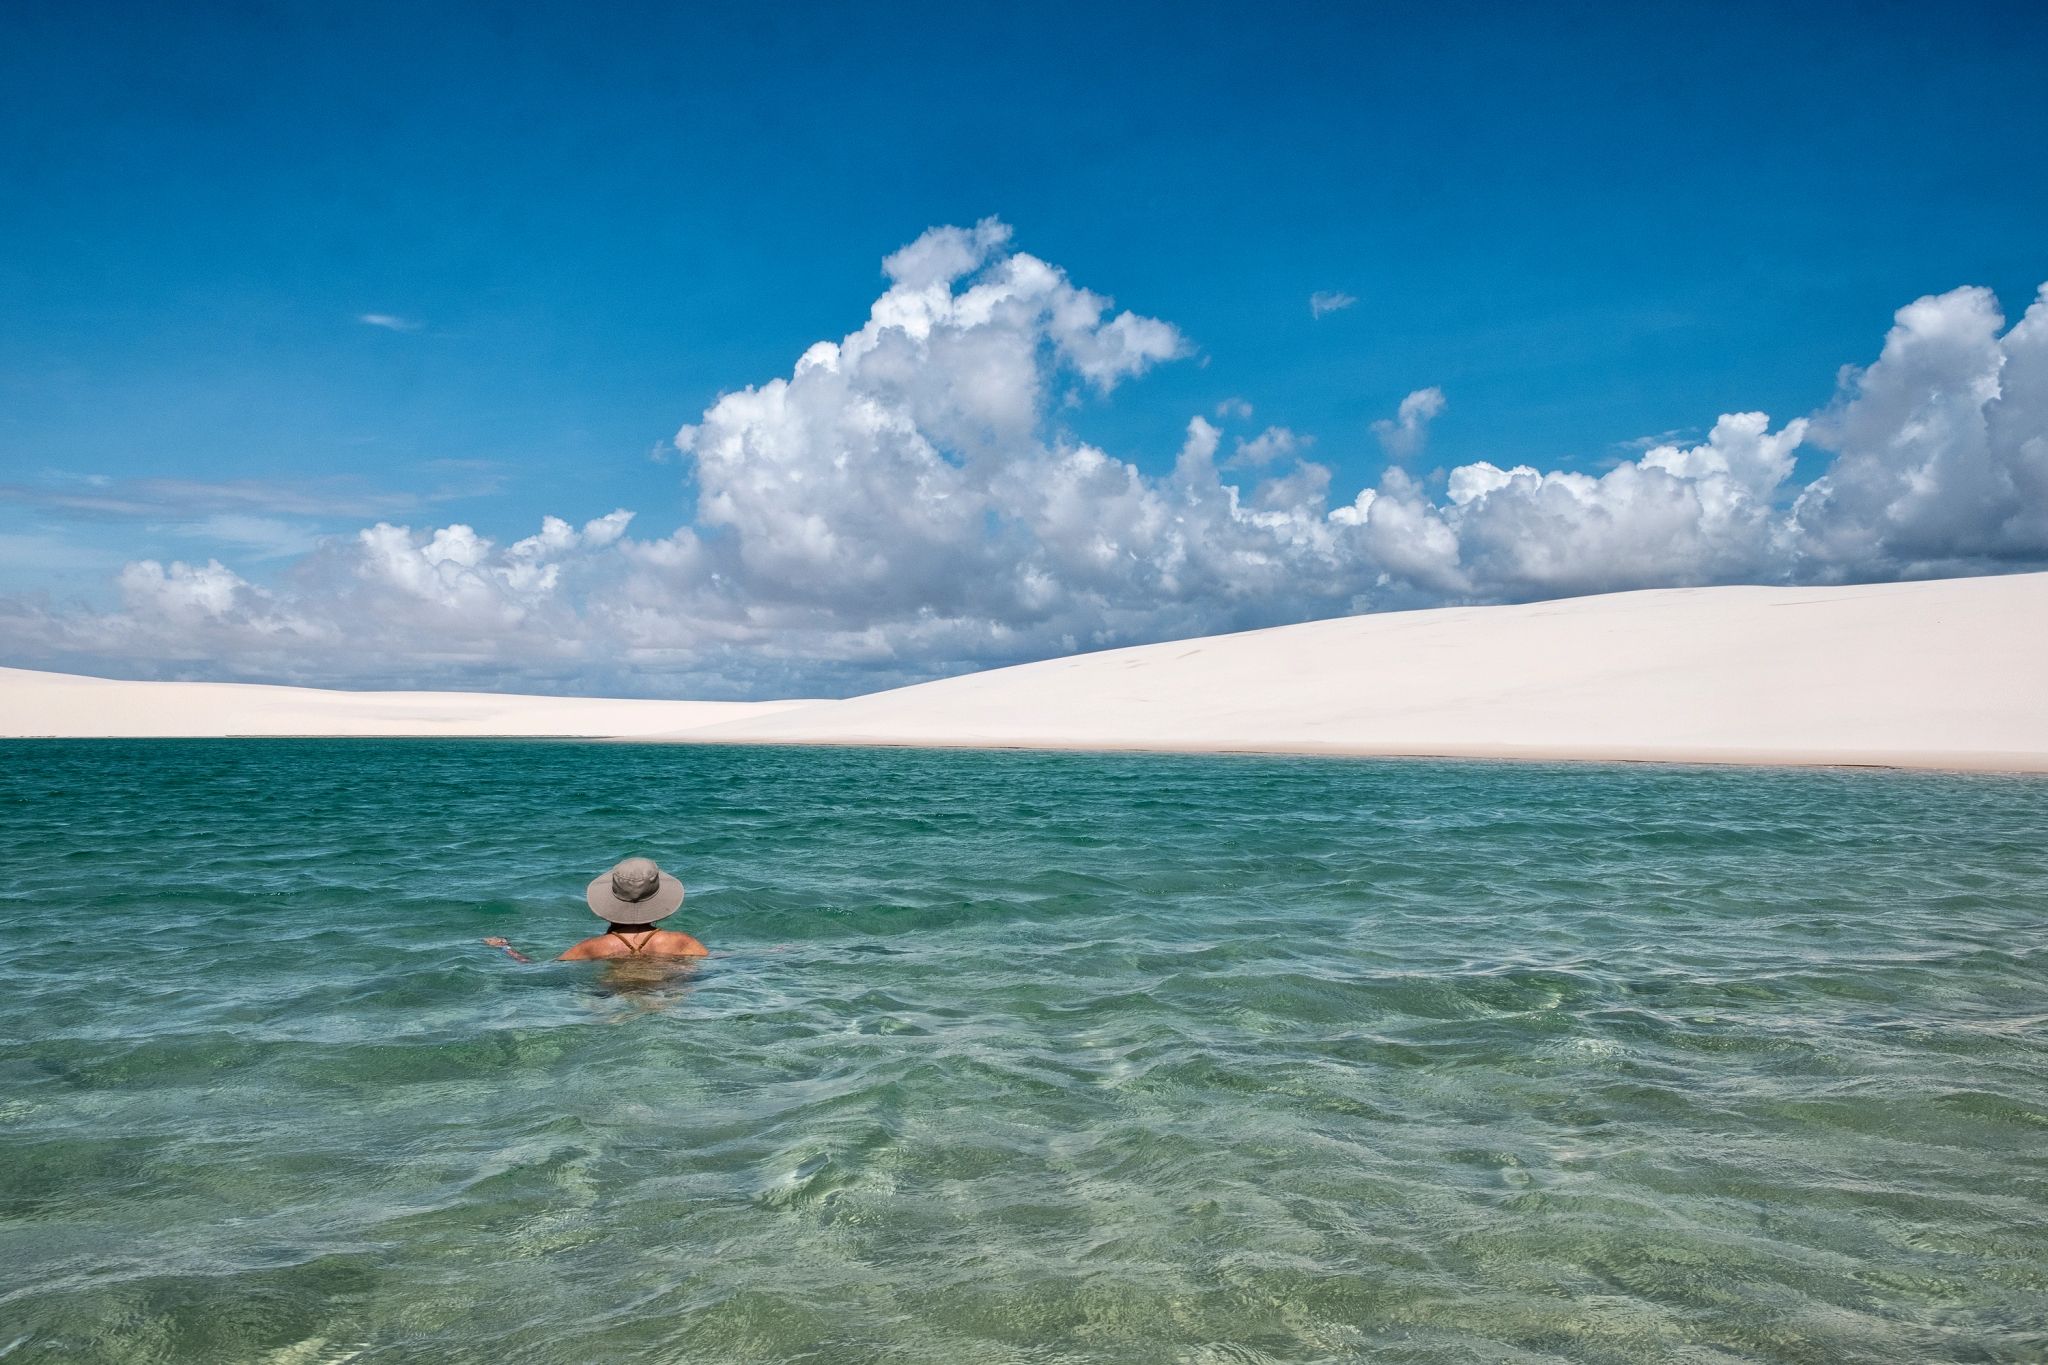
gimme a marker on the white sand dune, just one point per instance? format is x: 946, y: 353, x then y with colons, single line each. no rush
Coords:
x: 1945, y: 674
x: 1951, y: 673
x: 63, y: 705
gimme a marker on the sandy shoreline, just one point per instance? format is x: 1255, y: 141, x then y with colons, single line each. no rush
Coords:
x: 1913, y: 760
x: 1949, y: 674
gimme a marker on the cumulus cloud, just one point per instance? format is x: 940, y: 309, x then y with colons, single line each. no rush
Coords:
x: 906, y: 502
x: 905, y: 468
x: 1325, y: 301
x: 1941, y: 447
x: 1402, y: 435
x: 1704, y: 514
x: 185, y: 612
x: 1274, y: 443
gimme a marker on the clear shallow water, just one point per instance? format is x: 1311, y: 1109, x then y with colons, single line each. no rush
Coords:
x: 1067, y: 1058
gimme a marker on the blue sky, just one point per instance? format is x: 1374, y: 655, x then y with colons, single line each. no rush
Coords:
x: 1584, y: 225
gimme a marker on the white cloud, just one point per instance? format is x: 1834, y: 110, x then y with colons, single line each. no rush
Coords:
x: 1699, y: 515
x: 1664, y: 438
x: 390, y: 322
x: 1402, y: 436
x: 183, y: 591
x: 904, y: 503
x: 903, y: 467
x: 187, y: 612
x: 1941, y: 446
x: 1231, y: 408
x: 1325, y: 301
x: 97, y: 497
x: 1274, y: 443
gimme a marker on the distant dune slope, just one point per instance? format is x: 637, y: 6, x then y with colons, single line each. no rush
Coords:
x: 1951, y: 673
x: 64, y: 705
x: 1947, y: 673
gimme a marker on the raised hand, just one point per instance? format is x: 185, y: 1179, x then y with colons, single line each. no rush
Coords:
x: 510, y: 951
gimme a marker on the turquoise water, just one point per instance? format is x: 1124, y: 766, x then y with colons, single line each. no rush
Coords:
x: 1044, y: 1058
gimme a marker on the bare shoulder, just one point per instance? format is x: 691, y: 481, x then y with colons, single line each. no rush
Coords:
x: 665, y: 943
x: 676, y: 943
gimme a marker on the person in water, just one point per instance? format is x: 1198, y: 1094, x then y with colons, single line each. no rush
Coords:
x: 629, y: 898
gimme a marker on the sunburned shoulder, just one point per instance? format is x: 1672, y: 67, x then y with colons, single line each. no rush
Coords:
x: 665, y: 943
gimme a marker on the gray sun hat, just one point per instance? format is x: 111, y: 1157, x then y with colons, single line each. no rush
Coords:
x: 634, y: 892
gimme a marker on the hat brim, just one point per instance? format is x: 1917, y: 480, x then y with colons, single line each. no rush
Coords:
x: 666, y: 900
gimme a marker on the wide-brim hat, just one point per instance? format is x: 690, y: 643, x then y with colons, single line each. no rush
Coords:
x: 634, y: 892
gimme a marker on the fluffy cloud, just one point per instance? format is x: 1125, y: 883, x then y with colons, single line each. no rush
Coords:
x: 1274, y: 443
x: 906, y: 502
x: 1402, y: 435
x: 1941, y: 447
x: 1699, y: 515
x: 184, y: 594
